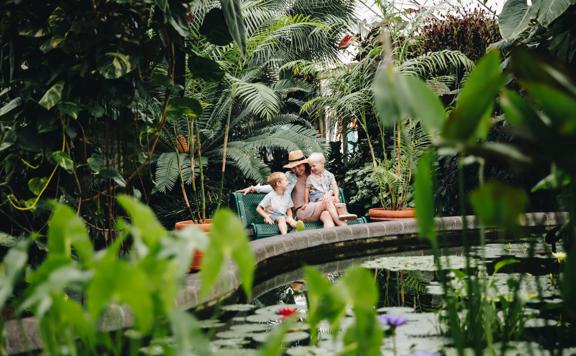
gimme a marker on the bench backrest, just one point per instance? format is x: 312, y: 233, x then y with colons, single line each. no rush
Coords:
x: 246, y: 206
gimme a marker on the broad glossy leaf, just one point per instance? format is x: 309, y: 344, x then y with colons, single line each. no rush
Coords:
x: 189, y: 107
x: 475, y: 99
x: 188, y: 336
x: 559, y: 107
x: 497, y: 204
x: 115, y: 281
x: 388, y: 104
x: 359, y: 287
x: 235, y: 22
x: 504, y: 263
x: 36, y: 184
x: 55, y: 285
x: 66, y: 229
x: 204, y: 68
x: 69, y: 108
x: 514, y: 18
x: 113, y: 174
x: 115, y: 65
x: 530, y: 66
x: 63, y: 160
x: 424, y: 104
x: 318, y: 287
x: 555, y: 180
x: 11, y: 105
x: 215, y: 29
x: 498, y: 150
x: 519, y: 113
x: 12, y: 265
x: 144, y: 221
x: 228, y: 240
x: 52, y: 96
x: 549, y: 11
x: 424, y: 197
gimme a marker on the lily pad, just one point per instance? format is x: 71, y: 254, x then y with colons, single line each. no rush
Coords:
x: 262, y: 318
x: 414, y: 263
x: 250, y: 328
x: 238, y: 307
x: 223, y: 343
x: 304, y: 351
x: 288, y: 337
x: 395, y: 310
x: 231, y: 334
x: 210, y: 324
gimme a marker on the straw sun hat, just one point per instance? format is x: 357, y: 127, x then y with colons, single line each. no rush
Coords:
x: 295, y: 158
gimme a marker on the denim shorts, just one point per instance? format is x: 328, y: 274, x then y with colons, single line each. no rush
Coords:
x: 275, y: 215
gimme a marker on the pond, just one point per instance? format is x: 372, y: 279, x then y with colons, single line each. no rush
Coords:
x: 409, y: 294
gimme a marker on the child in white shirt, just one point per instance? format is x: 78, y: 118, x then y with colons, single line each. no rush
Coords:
x: 276, y: 207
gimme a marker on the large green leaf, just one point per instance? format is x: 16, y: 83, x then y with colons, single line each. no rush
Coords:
x: 235, y: 22
x: 111, y: 173
x: 559, y: 107
x: 497, y: 204
x: 475, y: 100
x: 11, y: 105
x: 424, y: 197
x: 63, y: 160
x: 13, y: 264
x: 215, y: 29
x: 145, y: 224
x: 66, y: 229
x: 424, y: 104
x: 389, y: 105
x: 228, y: 241
x: 36, y: 184
x: 550, y: 10
x: 52, y: 96
x: 204, y: 68
x: 184, y: 106
x: 514, y: 18
x: 115, y: 65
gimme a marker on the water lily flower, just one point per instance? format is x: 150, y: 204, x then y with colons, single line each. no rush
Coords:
x: 393, y: 321
x: 560, y: 256
x: 286, y: 312
x: 345, y: 41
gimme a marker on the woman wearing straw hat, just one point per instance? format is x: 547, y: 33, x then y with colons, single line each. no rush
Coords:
x: 299, y: 172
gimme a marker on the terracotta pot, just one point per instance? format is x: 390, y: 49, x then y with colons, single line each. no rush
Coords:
x: 381, y: 214
x: 205, y: 226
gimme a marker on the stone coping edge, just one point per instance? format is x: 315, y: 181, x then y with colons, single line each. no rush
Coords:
x: 23, y: 335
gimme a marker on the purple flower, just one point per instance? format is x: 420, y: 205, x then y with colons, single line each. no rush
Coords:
x: 393, y: 321
x: 425, y: 353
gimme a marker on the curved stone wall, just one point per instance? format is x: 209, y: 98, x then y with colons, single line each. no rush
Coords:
x: 269, y: 248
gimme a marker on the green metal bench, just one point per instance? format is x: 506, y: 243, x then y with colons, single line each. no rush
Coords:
x: 246, y: 210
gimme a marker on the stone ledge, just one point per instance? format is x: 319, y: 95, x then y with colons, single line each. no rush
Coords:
x: 23, y: 335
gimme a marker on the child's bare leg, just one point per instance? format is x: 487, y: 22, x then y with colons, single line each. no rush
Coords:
x: 326, y: 219
x: 282, y: 225
x: 290, y: 220
x: 331, y: 208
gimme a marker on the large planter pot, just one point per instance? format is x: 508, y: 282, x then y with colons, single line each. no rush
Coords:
x: 381, y: 214
x: 205, y: 226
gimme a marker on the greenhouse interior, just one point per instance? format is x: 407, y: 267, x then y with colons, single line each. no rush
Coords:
x: 297, y: 177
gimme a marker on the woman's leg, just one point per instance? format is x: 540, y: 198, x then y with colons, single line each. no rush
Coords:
x: 282, y: 225
x: 331, y: 208
x: 326, y: 219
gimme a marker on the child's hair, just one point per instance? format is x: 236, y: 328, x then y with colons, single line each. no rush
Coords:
x: 275, y: 178
x: 316, y: 157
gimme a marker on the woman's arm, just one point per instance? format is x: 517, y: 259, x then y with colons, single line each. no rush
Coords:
x: 256, y: 189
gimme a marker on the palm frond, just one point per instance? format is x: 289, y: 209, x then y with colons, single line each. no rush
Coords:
x: 437, y: 63
x: 167, y: 172
x: 259, y: 98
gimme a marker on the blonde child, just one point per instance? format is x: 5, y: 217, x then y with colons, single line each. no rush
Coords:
x: 276, y: 207
x: 321, y: 186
